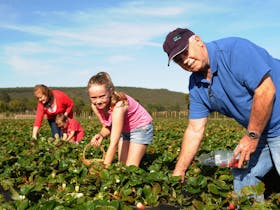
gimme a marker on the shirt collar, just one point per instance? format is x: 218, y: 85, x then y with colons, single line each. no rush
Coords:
x: 212, y: 49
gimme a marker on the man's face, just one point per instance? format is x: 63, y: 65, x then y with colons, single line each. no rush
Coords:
x: 193, y: 58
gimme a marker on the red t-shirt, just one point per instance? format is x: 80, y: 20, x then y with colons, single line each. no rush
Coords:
x: 63, y: 104
x: 74, y: 125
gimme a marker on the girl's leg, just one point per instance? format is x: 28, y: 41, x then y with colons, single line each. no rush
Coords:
x: 133, y: 150
x: 135, y: 153
x: 123, y: 150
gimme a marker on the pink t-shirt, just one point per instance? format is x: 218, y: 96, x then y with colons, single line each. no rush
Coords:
x: 74, y: 125
x: 136, y: 116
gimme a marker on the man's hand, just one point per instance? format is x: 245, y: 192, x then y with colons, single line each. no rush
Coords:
x: 245, y: 148
x: 179, y: 173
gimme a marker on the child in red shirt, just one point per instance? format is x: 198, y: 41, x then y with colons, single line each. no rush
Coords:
x: 71, y: 128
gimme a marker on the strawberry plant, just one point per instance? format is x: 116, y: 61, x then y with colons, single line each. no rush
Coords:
x: 46, y: 175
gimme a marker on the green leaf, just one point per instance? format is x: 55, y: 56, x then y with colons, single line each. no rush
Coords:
x: 25, y: 189
x: 154, y: 168
x: 221, y: 184
x: 147, y: 190
x: 22, y: 204
x: 193, y: 190
x: 125, y: 192
x: 200, y: 205
x: 259, y: 188
x: 105, y: 175
x: 212, y: 188
x: 63, y: 165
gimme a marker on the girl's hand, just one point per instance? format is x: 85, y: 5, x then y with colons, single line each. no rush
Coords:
x: 64, y: 137
x: 96, y: 140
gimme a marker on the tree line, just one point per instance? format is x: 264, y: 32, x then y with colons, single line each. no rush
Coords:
x: 9, y: 104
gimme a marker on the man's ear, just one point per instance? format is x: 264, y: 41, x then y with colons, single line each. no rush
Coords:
x: 198, y: 40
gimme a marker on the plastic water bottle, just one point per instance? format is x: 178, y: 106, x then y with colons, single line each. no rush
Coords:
x: 220, y: 158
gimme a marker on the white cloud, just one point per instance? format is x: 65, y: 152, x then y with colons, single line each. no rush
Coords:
x: 31, y: 66
x: 119, y: 59
x: 29, y: 48
x: 161, y: 11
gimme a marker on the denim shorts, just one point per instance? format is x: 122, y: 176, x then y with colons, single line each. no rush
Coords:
x: 141, y: 135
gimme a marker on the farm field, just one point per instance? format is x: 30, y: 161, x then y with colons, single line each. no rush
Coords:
x: 50, y: 174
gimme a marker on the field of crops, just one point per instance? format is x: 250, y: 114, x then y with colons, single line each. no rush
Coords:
x: 49, y: 175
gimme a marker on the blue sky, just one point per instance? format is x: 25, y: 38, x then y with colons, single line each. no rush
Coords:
x: 65, y: 42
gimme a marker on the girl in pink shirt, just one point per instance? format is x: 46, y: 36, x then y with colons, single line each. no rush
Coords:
x: 51, y: 103
x: 127, y: 123
x: 71, y: 128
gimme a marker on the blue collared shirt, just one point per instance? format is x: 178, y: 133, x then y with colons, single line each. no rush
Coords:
x: 237, y: 68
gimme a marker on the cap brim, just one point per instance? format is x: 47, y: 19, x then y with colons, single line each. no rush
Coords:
x: 175, y: 54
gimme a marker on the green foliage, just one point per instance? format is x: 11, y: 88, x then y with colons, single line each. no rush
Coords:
x: 43, y: 175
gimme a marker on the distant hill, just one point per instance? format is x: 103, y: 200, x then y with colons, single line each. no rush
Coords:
x: 169, y: 100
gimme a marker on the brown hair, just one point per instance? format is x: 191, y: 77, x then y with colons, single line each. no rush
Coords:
x: 60, y: 118
x: 45, y: 91
x: 103, y: 78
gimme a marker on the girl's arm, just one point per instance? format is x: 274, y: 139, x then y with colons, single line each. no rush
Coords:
x: 94, y: 109
x: 104, y: 132
x: 97, y: 138
x: 64, y: 136
x: 117, y: 126
x: 70, y: 136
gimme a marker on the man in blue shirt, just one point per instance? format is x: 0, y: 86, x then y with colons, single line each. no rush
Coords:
x: 239, y: 79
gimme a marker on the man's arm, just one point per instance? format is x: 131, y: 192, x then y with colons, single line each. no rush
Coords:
x: 260, y: 114
x: 190, y: 145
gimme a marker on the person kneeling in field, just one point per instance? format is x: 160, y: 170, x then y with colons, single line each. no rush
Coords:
x: 71, y: 128
x: 127, y: 123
